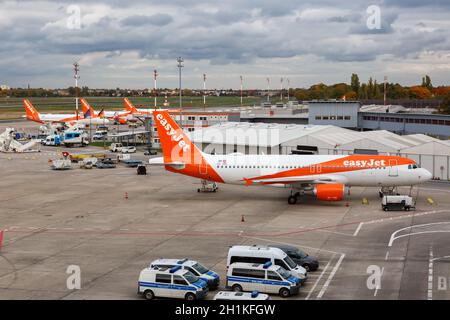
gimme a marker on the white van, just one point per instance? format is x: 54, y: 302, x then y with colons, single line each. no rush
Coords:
x: 171, y: 283
x: 211, y: 277
x: 263, y: 254
x: 265, y: 277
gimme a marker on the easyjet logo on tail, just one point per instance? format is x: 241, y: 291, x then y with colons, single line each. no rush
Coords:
x: 32, y: 114
x: 365, y: 163
x: 173, y: 133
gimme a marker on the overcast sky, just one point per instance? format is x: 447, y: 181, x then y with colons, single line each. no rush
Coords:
x: 119, y: 43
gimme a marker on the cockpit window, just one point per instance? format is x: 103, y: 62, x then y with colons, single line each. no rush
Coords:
x: 413, y: 166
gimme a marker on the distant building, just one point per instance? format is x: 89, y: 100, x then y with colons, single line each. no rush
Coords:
x: 4, y: 87
x: 334, y: 112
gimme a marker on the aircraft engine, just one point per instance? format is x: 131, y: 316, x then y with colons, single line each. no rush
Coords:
x: 329, y: 192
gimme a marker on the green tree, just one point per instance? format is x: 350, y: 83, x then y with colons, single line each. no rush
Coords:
x: 426, y: 82
x: 354, y: 82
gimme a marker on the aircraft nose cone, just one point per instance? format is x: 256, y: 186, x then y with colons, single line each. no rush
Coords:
x: 425, y: 175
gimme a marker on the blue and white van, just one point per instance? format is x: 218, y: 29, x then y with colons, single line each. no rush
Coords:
x: 267, y: 278
x: 262, y: 254
x: 211, y: 277
x: 171, y: 283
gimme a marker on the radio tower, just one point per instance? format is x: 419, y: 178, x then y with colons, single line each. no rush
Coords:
x: 155, y: 74
x: 76, y: 68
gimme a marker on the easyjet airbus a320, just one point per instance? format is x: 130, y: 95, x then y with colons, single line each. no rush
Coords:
x: 325, y: 176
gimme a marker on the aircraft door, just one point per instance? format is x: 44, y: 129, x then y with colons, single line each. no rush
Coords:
x: 393, y: 168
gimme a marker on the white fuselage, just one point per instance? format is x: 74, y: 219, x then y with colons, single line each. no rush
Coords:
x: 235, y: 168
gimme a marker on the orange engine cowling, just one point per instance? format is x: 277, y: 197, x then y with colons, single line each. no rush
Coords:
x: 329, y: 192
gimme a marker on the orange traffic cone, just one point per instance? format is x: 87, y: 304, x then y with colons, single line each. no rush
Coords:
x: 126, y: 195
x: 242, y: 218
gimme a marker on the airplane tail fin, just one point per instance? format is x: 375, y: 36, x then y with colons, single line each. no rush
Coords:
x: 88, y: 111
x: 179, y: 153
x: 129, y: 106
x: 176, y: 146
x: 31, y: 112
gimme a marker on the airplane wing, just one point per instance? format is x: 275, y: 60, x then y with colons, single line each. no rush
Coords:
x: 323, y: 179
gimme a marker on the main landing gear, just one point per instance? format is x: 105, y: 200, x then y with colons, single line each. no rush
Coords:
x: 293, y: 198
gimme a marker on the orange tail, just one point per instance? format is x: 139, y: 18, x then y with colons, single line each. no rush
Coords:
x: 88, y: 111
x: 180, y: 154
x: 31, y: 112
x: 129, y: 106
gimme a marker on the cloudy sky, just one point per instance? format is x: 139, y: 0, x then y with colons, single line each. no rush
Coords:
x: 118, y: 43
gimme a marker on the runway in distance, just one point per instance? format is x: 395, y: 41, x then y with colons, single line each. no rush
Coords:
x: 325, y: 176
x: 45, y: 118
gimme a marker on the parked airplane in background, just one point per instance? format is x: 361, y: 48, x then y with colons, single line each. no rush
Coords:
x: 121, y: 117
x: 141, y: 112
x: 325, y: 176
x: 85, y: 118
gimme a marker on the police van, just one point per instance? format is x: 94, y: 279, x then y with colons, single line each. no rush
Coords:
x: 263, y: 254
x: 212, y: 278
x: 172, y: 282
x: 265, y: 277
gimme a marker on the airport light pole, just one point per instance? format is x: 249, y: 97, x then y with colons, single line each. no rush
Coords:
x: 155, y: 74
x: 180, y: 65
x: 241, y: 88
x: 268, y: 89
x: 288, y: 88
x: 204, y: 91
x: 384, y: 93
x: 281, y: 89
x: 76, y: 68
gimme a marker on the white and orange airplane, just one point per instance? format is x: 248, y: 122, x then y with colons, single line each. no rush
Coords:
x: 325, y: 176
x: 84, y: 118
x: 121, y: 117
x: 143, y: 111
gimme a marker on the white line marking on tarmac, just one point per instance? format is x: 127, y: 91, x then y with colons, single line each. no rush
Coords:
x: 357, y: 229
x: 327, y: 283
x: 335, y: 232
x: 318, y: 279
x: 393, y: 235
x: 430, y: 275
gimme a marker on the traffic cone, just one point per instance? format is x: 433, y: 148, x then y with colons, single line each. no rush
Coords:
x: 242, y: 218
x: 126, y: 195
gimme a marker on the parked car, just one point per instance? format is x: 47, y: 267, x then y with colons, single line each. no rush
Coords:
x: 115, y: 147
x: 300, y: 257
x: 150, y: 153
x: 103, y: 165
x: 130, y: 149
